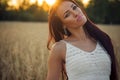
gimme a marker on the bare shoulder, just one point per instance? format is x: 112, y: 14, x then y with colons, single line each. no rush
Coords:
x: 58, y: 50
x: 58, y: 47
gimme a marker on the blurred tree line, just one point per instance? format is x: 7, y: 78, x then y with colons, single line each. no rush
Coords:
x: 33, y: 13
x: 99, y: 11
x: 104, y: 11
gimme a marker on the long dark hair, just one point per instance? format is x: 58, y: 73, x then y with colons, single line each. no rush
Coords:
x: 56, y: 33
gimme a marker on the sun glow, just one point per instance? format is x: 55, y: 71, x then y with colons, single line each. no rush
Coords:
x: 85, y: 2
x: 12, y: 3
x: 39, y: 2
x: 32, y: 1
x: 50, y: 2
x: 15, y: 4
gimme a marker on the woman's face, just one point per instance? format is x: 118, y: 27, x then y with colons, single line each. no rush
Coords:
x: 71, y: 15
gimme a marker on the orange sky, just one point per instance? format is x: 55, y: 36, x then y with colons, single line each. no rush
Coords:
x: 16, y: 3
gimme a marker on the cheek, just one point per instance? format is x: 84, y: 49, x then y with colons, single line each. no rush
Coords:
x: 73, y: 23
x: 84, y: 19
x: 70, y: 22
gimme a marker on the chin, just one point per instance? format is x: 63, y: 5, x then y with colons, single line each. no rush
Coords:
x: 82, y: 22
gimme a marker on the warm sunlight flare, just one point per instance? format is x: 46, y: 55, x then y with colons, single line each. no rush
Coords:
x: 13, y: 3
x: 32, y: 1
x: 50, y: 2
x: 85, y: 2
x: 39, y: 2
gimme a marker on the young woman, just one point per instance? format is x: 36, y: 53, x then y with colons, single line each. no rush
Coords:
x: 81, y: 50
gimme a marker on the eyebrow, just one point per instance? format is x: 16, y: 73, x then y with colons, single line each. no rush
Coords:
x: 68, y: 10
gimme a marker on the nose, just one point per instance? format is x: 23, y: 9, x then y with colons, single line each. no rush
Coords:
x: 75, y: 14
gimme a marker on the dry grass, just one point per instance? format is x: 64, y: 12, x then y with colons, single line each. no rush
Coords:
x: 23, y: 55
x: 23, y: 52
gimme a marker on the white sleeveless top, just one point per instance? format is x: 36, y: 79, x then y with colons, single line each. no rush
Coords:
x: 82, y: 65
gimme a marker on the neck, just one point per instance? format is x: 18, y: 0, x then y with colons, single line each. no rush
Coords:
x: 79, y: 34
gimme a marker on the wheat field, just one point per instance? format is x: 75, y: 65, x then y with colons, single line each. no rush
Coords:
x: 23, y: 52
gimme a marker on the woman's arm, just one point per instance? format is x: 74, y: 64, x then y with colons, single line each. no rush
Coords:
x: 54, y: 63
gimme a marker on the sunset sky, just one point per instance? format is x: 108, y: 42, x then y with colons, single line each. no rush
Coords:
x: 17, y: 3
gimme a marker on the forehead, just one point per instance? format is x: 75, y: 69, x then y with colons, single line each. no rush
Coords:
x: 65, y: 5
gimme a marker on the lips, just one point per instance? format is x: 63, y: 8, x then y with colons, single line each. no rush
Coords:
x: 79, y: 18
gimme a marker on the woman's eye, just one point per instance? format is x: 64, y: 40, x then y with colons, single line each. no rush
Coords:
x: 74, y: 7
x: 67, y: 15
